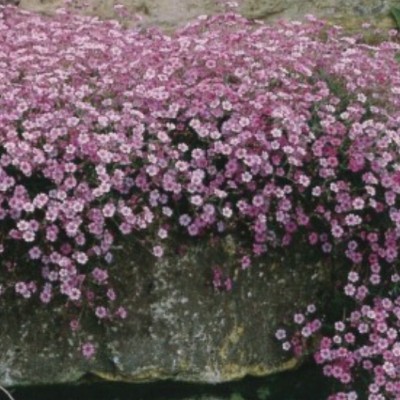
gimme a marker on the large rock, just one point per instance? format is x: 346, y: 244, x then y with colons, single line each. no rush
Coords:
x: 171, y: 13
x: 178, y: 326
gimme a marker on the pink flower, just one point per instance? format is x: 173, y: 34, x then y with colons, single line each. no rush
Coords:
x: 88, y: 350
x: 299, y: 318
x: 101, y: 312
x: 280, y: 334
x: 121, y: 313
x: 74, y: 325
x: 158, y: 251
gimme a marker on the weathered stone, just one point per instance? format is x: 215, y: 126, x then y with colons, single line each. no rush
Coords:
x: 171, y: 13
x: 178, y: 327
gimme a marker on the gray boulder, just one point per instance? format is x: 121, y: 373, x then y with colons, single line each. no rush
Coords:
x: 178, y: 327
x: 171, y: 13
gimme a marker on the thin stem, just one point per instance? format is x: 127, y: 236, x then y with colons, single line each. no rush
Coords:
x: 7, y: 393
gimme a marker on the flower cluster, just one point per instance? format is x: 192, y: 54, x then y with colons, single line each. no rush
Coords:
x: 366, y: 345
x: 306, y: 327
x: 274, y: 134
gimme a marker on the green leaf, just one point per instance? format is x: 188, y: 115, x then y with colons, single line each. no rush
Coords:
x: 236, y: 396
x: 395, y: 11
x: 263, y: 393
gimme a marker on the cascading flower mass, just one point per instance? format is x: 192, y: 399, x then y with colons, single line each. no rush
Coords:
x: 276, y: 134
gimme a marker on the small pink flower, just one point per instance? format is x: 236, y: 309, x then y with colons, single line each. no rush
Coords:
x: 158, y: 251
x: 299, y: 318
x: 88, y: 350
x: 74, y: 325
x: 121, y: 313
x: 101, y: 312
x: 280, y: 334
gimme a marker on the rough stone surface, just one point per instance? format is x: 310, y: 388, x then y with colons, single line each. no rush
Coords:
x: 178, y: 327
x: 171, y: 13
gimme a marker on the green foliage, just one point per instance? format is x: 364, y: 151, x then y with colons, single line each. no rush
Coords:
x: 236, y: 396
x: 263, y: 393
x: 395, y: 12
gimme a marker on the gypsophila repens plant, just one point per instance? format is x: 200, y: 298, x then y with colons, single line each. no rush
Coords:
x: 277, y: 134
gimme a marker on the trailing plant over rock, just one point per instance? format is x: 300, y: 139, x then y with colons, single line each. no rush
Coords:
x: 274, y: 134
